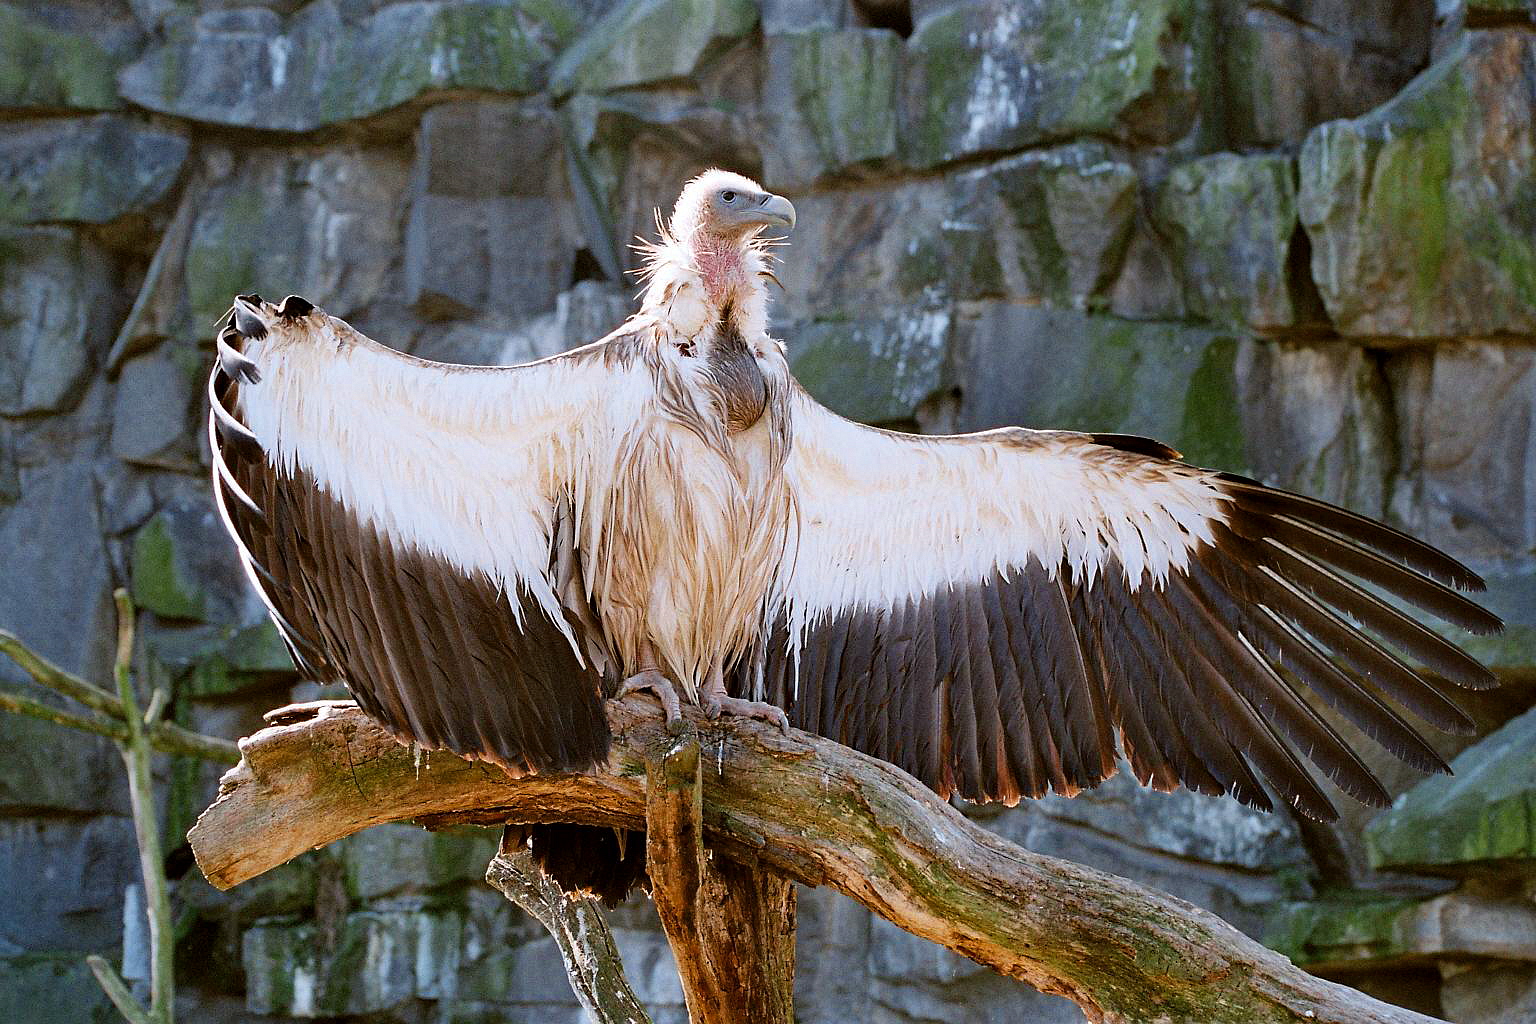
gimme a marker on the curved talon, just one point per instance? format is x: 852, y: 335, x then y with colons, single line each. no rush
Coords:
x: 715, y: 706
x: 654, y: 682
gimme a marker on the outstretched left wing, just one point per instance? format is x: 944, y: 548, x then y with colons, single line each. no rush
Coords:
x: 989, y: 612
x: 411, y: 526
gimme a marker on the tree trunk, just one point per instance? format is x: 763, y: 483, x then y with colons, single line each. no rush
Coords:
x: 813, y: 810
x: 731, y: 925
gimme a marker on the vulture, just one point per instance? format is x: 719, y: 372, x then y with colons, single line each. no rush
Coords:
x: 485, y: 554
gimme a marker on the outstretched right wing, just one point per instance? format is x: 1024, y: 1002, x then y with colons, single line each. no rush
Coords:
x: 412, y: 527
x: 988, y: 611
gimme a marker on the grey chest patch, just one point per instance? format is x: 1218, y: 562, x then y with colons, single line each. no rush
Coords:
x: 736, y: 373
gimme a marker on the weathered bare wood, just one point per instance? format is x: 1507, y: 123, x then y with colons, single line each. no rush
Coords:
x: 731, y: 926
x: 817, y: 812
x: 579, y: 928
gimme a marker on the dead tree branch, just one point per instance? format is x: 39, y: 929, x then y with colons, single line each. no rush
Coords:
x: 816, y: 812
x: 579, y: 928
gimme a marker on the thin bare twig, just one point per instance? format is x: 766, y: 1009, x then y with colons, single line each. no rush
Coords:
x: 166, y: 737
x: 117, y: 990
x: 21, y: 705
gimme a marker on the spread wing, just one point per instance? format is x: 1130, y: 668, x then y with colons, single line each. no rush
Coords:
x: 411, y: 527
x: 990, y: 611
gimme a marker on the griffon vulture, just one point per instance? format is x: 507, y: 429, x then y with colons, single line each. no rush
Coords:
x: 484, y: 554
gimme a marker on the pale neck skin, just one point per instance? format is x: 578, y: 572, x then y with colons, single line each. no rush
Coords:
x: 697, y: 275
x: 721, y: 265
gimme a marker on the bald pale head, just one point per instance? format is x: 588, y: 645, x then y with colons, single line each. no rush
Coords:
x: 727, y: 206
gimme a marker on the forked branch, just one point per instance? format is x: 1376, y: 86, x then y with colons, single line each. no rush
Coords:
x: 816, y: 812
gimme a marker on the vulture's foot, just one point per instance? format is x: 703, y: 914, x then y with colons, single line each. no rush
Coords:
x: 717, y: 704
x: 651, y: 680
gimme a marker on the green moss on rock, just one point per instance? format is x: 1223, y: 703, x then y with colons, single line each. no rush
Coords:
x: 643, y: 41
x: 1348, y: 926
x: 1232, y: 220
x: 1166, y: 381
x: 878, y: 369
x: 50, y: 988
x: 41, y: 67
x: 1485, y: 812
x: 374, y: 961
x: 1070, y: 211
x: 91, y: 170
x: 994, y: 75
x: 831, y: 98
x: 323, y: 69
x: 1419, y: 212
x: 161, y: 583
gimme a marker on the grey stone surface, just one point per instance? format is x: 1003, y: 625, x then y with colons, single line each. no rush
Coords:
x: 852, y: 244
x: 48, y: 68
x: 56, y: 293
x: 153, y: 414
x: 994, y: 75
x: 1476, y: 994
x: 368, y: 962
x: 64, y: 883
x: 487, y: 149
x: 51, y: 538
x: 1211, y: 830
x: 1060, y: 221
x: 321, y: 223
x: 185, y: 567
x: 1468, y: 462
x: 879, y: 369
x: 91, y: 169
x: 490, y: 227
x: 1317, y: 419
x: 1288, y: 67
x: 252, y: 68
x: 1478, y: 923
x: 644, y: 41
x: 1420, y: 212
x: 581, y: 316
x: 804, y: 15
x: 396, y: 862
x: 510, y: 254
x: 1039, y: 367
x: 830, y: 100
x: 47, y: 770
x: 1232, y: 221
x: 1483, y: 813
x: 52, y: 989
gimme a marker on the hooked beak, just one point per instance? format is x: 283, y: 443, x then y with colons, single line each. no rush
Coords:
x: 775, y: 211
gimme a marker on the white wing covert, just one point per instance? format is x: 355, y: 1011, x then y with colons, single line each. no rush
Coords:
x: 989, y: 611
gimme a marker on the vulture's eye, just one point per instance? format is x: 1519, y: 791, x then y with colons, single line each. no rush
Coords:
x: 728, y: 196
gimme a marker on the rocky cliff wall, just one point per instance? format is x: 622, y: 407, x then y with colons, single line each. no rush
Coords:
x: 1291, y: 237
